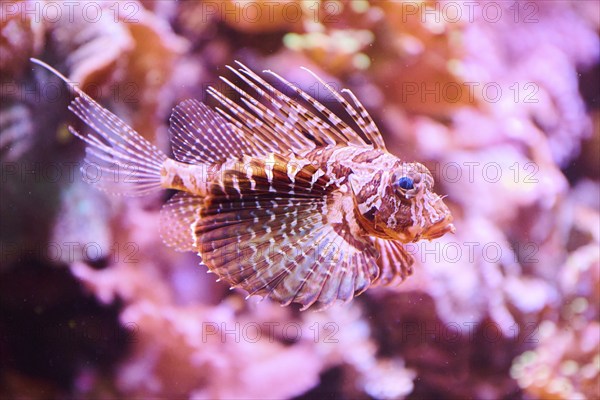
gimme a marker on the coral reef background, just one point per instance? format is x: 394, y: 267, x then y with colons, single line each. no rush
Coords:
x: 499, y: 99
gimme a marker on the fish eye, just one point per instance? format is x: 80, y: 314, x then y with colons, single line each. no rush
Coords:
x: 405, y: 183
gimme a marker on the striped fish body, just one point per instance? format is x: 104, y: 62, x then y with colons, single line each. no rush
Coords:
x: 278, y: 196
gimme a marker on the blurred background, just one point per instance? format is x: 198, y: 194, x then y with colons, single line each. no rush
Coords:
x: 499, y: 99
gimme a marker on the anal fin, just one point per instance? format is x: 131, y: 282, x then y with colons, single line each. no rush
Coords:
x: 177, y: 218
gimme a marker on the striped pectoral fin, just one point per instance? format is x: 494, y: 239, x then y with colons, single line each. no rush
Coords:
x: 177, y: 218
x: 395, y: 262
x: 265, y: 232
x: 332, y: 266
x: 312, y: 265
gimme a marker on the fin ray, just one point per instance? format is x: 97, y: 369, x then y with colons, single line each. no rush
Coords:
x: 177, y: 217
x: 280, y: 246
x: 122, y: 160
x: 201, y: 135
x: 395, y: 262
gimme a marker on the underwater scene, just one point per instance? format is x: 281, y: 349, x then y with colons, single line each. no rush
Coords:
x: 300, y: 199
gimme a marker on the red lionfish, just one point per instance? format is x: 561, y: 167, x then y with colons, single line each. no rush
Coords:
x: 277, y: 199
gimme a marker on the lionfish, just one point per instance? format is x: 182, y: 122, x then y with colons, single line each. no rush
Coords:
x: 279, y: 196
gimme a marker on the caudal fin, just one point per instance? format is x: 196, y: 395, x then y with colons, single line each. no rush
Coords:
x: 118, y: 160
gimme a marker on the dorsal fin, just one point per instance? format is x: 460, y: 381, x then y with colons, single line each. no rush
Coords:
x: 201, y: 135
x: 330, y: 127
x: 283, y: 124
x: 267, y: 121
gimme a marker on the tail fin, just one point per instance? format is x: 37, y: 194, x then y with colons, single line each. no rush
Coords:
x: 118, y: 160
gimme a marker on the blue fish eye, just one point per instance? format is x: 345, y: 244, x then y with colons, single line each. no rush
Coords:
x: 406, y: 183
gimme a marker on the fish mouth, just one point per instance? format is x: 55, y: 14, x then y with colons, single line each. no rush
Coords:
x: 439, y: 229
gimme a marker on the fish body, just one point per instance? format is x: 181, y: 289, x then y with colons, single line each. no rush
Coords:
x: 278, y: 196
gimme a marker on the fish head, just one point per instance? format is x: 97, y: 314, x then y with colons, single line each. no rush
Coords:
x: 407, y: 209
